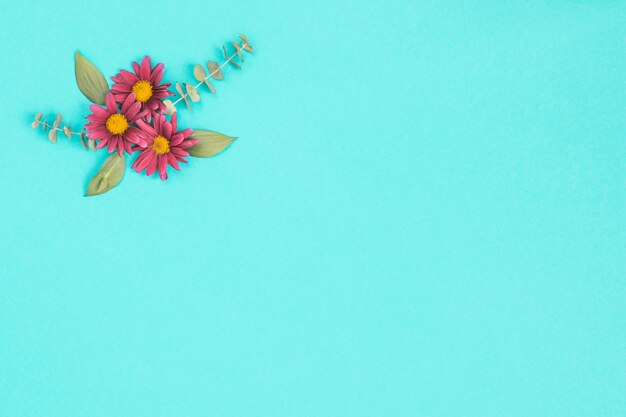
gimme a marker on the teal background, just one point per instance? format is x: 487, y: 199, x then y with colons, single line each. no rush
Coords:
x: 423, y: 216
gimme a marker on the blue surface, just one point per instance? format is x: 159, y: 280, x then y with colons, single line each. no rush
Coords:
x: 424, y: 215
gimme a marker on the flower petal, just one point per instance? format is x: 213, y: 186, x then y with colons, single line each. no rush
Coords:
x: 171, y: 159
x: 152, y: 165
x: 146, y: 128
x: 157, y: 74
x: 133, y: 111
x: 142, y: 160
x: 110, y: 102
x: 167, y: 130
x: 99, y: 111
x: 129, y: 77
x: 144, y: 71
x: 162, y: 167
x: 174, y: 123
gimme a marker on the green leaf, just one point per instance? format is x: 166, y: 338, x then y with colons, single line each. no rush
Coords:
x: 109, y: 176
x: 211, y: 143
x: 90, y: 80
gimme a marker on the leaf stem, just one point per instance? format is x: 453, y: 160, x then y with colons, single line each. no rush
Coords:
x: 60, y: 130
x: 230, y: 58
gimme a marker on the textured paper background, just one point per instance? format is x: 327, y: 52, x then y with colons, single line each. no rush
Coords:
x: 423, y: 216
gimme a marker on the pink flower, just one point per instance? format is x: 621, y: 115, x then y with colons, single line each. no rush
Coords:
x: 113, y: 128
x: 164, y: 146
x: 145, y: 84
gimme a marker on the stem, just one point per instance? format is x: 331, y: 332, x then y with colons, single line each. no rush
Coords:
x: 60, y: 130
x: 230, y: 58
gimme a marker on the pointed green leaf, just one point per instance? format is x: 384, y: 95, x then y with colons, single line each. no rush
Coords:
x: 109, y: 176
x: 90, y: 80
x: 211, y: 143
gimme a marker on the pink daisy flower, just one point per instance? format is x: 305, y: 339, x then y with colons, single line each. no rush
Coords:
x: 112, y: 127
x: 165, y: 146
x: 145, y: 84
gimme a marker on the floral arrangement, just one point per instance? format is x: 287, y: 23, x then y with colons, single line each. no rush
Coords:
x: 131, y: 117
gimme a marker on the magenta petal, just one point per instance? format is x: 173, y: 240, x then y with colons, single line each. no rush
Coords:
x: 171, y: 159
x: 167, y: 129
x: 146, y: 128
x: 176, y: 139
x: 129, y: 77
x: 174, y: 122
x: 158, y: 123
x: 143, y: 155
x: 179, y: 152
x: 133, y: 110
x: 111, y: 105
x: 129, y: 101
x: 112, y: 144
x: 121, y: 88
x: 119, y: 98
x: 99, y: 111
x: 157, y: 74
x: 143, y: 160
x: 162, y: 167
x: 186, y: 133
x: 144, y: 71
x: 152, y: 165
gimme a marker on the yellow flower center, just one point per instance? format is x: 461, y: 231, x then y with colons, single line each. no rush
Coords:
x: 142, y: 90
x: 160, y: 145
x: 117, y: 124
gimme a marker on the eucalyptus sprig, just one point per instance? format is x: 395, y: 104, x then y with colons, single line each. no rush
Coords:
x: 93, y: 84
x: 215, y: 71
x: 55, y: 128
